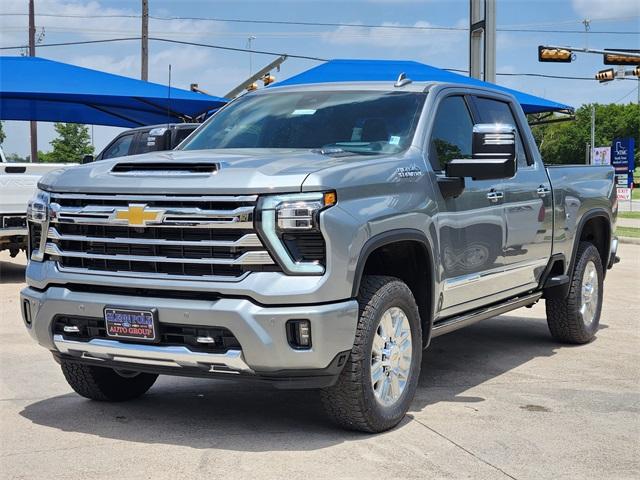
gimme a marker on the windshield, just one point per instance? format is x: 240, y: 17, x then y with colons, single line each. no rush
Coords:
x: 369, y: 122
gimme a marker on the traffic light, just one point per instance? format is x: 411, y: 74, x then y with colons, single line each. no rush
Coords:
x: 620, y: 59
x: 605, y: 75
x: 251, y: 87
x: 636, y: 72
x: 268, y: 79
x: 546, y: 54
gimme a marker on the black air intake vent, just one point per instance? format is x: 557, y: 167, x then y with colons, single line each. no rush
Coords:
x: 166, y: 167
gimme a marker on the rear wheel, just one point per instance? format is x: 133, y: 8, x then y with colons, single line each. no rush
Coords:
x: 575, y: 319
x: 106, y: 384
x: 377, y: 385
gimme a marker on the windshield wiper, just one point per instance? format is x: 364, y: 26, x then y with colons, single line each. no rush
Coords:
x: 340, y: 148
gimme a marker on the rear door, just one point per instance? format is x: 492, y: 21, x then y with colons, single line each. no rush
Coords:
x: 527, y: 201
x: 471, y: 226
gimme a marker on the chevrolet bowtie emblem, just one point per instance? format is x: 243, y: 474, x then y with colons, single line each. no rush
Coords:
x: 138, y: 215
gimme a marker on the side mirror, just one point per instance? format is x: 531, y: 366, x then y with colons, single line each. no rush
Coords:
x: 88, y: 159
x: 493, y: 154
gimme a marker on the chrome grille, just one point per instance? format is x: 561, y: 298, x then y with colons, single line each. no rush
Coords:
x: 186, y: 237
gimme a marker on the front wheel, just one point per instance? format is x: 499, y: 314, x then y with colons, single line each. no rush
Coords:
x: 377, y: 385
x: 106, y: 384
x: 575, y: 319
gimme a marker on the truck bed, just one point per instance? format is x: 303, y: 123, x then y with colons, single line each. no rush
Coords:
x: 576, y: 190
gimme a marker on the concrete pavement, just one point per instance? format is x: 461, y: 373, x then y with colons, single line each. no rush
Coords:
x: 497, y: 400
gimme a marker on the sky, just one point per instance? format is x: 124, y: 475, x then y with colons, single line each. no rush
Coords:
x: 217, y: 71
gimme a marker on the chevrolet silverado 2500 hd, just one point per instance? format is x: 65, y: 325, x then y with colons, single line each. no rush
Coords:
x: 315, y: 236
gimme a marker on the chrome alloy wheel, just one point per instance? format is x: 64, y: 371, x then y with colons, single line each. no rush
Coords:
x: 391, y: 356
x: 589, y: 293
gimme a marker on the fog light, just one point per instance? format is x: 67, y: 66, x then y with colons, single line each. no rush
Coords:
x: 299, y: 333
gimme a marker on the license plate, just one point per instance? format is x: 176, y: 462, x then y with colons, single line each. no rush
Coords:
x: 131, y: 324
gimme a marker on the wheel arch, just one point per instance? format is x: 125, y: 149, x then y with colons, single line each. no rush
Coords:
x: 595, y: 227
x: 407, y: 243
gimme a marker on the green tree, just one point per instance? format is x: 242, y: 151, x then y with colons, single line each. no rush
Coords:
x: 2, y: 134
x: 565, y: 142
x: 73, y: 143
x: 15, y: 158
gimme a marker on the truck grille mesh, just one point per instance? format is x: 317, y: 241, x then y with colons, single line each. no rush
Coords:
x: 187, y: 237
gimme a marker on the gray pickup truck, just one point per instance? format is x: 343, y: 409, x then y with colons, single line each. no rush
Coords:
x: 315, y: 236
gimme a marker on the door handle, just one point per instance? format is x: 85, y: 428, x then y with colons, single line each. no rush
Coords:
x: 542, y: 191
x: 494, y: 196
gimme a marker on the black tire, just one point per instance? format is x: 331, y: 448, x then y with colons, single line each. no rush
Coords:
x: 105, y: 384
x: 564, y: 318
x: 351, y: 402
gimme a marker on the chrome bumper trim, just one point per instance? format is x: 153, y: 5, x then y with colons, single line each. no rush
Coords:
x: 166, y: 356
x: 149, y: 275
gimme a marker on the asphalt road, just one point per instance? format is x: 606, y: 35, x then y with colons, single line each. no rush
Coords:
x: 499, y: 400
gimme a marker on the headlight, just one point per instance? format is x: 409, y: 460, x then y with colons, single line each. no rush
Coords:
x: 37, y: 221
x: 38, y: 207
x: 290, y: 226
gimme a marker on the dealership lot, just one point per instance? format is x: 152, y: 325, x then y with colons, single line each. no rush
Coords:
x: 499, y: 399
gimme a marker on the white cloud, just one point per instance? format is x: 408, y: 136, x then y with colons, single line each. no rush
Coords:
x: 430, y: 41
x: 595, y: 9
x: 91, y: 21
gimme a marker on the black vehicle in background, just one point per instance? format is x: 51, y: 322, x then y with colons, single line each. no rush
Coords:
x: 152, y: 138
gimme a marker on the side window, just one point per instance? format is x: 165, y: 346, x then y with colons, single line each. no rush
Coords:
x: 148, y: 143
x: 452, y: 132
x: 119, y: 148
x: 495, y: 111
x: 180, y: 135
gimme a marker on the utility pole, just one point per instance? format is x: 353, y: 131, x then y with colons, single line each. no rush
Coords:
x: 144, y: 69
x: 32, y: 53
x: 482, y: 40
x: 593, y: 132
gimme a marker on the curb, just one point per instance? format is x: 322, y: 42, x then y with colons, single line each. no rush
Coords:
x: 630, y: 240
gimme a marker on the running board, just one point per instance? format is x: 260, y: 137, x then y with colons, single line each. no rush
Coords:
x: 454, y: 323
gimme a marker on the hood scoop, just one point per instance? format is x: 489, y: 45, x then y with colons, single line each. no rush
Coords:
x: 165, y: 168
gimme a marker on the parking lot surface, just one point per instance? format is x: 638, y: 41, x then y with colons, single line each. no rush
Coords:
x: 499, y: 399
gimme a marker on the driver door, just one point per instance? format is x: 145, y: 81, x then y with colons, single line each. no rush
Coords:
x: 470, y: 227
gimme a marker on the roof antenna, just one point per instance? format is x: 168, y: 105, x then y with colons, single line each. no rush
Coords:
x: 402, y: 80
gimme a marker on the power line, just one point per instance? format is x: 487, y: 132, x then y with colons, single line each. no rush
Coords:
x: 327, y: 24
x: 626, y: 94
x: 234, y: 49
x: 267, y: 52
x: 82, y: 42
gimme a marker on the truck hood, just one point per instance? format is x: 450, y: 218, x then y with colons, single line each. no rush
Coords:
x: 241, y: 171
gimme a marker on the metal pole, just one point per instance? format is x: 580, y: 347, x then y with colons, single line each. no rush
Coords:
x: 593, y: 132
x: 144, y: 68
x: 33, y: 126
x: 476, y: 37
x: 249, y: 40
x: 256, y: 76
x: 490, y: 41
x: 587, y: 153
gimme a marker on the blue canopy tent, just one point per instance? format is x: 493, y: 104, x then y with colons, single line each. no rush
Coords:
x: 33, y: 88
x: 388, y: 71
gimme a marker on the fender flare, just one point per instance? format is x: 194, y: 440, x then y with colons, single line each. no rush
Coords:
x: 589, y: 215
x: 394, y: 236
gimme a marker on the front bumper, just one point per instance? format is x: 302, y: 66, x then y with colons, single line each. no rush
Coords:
x: 13, y: 232
x: 265, y: 352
